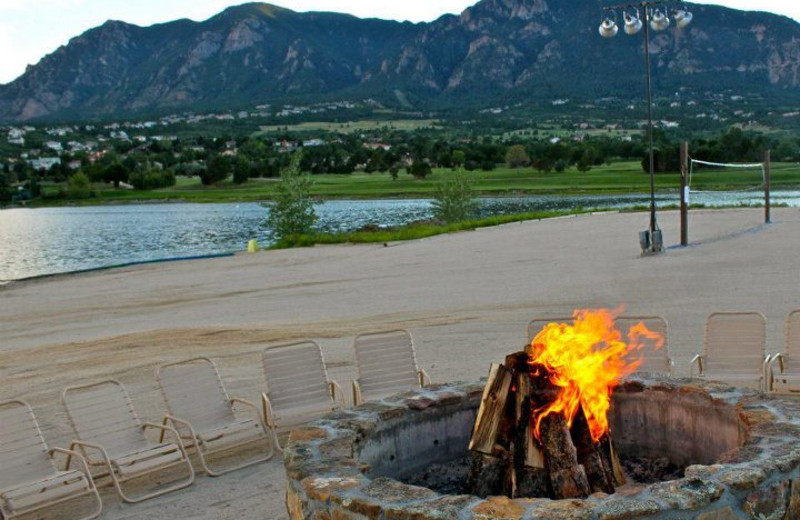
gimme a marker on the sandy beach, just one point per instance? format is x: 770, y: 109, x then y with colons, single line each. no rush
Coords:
x: 466, y: 298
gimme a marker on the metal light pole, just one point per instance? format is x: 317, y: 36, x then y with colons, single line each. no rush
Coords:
x: 650, y: 240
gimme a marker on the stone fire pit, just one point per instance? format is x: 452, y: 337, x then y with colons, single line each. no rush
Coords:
x: 739, y: 450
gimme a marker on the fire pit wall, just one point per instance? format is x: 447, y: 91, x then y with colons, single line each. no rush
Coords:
x: 740, y: 449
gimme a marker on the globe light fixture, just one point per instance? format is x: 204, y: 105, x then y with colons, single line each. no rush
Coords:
x: 632, y: 23
x: 659, y: 21
x: 682, y: 18
x: 609, y: 28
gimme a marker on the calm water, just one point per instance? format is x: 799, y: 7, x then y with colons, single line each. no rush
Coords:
x: 53, y: 240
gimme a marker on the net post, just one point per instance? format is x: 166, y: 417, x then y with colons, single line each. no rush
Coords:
x: 767, y: 218
x: 684, y: 193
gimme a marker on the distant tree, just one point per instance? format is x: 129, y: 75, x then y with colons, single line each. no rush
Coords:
x: 560, y: 165
x: 241, y: 169
x: 516, y: 156
x: 420, y: 169
x: 454, y: 199
x: 79, y: 186
x: 292, y: 212
x: 458, y: 158
x: 116, y: 173
x: 5, y: 187
x: 217, y: 170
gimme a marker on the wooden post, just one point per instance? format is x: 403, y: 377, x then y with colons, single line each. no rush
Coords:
x: 684, y: 193
x: 767, y: 218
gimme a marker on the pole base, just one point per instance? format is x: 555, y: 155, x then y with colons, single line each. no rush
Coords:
x: 651, y: 243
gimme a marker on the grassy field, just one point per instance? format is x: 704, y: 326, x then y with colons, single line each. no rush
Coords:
x: 620, y: 177
x: 352, y: 126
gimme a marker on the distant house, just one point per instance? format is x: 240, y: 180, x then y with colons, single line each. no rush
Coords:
x: 313, y: 142
x: 378, y: 146
x: 74, y: 165
x: 16, y: 140
x: 54, y: 145
x: 44, y: 163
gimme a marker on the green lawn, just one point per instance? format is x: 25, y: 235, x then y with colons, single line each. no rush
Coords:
x: 406, y: 125
x: 619, y: 177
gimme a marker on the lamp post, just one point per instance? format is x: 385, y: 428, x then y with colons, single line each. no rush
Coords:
x: 651, y: 17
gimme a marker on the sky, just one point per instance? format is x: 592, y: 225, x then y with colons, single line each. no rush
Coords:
x: 31, y: 29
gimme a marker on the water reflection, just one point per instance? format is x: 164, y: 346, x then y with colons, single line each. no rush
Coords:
x: 52, y: 240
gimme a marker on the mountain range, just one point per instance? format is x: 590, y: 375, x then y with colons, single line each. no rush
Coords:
x: 495, y: 52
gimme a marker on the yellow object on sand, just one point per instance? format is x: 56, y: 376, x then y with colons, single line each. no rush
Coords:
x: 252, y: 246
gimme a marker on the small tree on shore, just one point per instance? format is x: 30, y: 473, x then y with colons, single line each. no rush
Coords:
x: 293, y: 210
x: 454, y: 199
x: 79, y: 186
x: 516, y: 156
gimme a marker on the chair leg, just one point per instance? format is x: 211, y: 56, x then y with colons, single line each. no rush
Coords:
x: 202, y: 454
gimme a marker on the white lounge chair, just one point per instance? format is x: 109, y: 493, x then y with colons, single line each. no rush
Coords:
x: 386, y: 364
x: 654, y: 358
x: 298, y: 387
x: 110, y: 435
x: 734, y: 349
x: 787, y: 376
x: 29, y: 478
x: 203, y: 413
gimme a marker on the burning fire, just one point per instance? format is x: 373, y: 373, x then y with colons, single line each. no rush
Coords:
x: 585, y: 361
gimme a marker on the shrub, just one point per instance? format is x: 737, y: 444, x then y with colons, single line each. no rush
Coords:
x: 292, y: 212
x: 152, y: 179
x: 454, y: 200
x: 79, y: 186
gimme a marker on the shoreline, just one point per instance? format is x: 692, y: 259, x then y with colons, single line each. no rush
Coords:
x: 426, y: 195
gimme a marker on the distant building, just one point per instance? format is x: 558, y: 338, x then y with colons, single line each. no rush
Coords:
x: 54, y: 145
x: 378, y: 146
x: 313, y: 142
x: 45, y: 163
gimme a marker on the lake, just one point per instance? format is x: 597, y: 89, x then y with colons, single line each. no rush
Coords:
x: 43, y: 241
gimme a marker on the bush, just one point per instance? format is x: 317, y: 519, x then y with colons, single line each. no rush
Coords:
x: 153, y: 179
x: 217, y: 170
x: 79, y: 186
x: 454, y: 199
x: 292, y: 213
x: 420, y: 169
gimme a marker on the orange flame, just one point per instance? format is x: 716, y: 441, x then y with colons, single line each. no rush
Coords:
x: 585, y: 361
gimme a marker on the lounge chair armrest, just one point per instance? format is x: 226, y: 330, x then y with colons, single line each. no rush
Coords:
x: 178, y: 422
x: 424, y: 379
x: 266, y: 409
x: 164, y: 429
x: 356, y: 393
x: 249, y: 404
x: 336, y: 392
x: 70, y: 455
x: 779, y: 358
x: 699, y: 360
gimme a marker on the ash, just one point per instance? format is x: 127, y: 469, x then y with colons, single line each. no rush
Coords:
x: 647, y: 470
x: 448, y: 478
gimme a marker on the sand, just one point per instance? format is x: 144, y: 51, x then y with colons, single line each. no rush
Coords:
x: 466, y: 298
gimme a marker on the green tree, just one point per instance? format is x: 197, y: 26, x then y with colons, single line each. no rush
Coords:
x: 292, y: 212
x: 241, y: 169
x: 116, y: 173
x: 458, y: 158
x: 453, y: 199
x: 5, y: 187
x: 217, y: 170
x: 516, y: 156
x: 79, y: 186
x: 420, y: 169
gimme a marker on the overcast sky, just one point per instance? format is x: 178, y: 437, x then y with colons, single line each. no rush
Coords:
x: 30, y: 29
